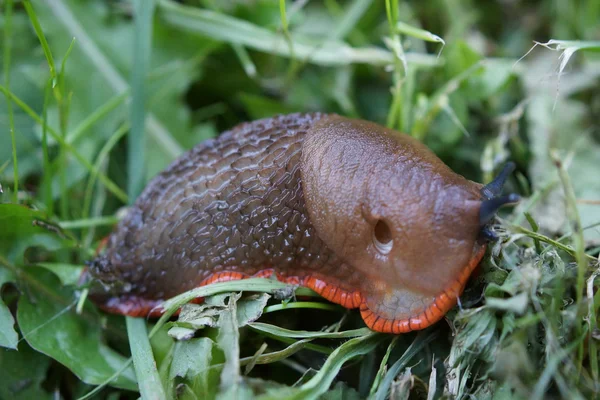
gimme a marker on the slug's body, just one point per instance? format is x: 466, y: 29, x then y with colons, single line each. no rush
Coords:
x: 364, y: 216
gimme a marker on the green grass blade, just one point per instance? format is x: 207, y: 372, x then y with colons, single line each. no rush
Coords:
x: 303, y: 304
x: 351, y: 17
x: 382, y: 367
x: 550, y: 369
x: 63, y: 100
x: 293, y: 66
x: 48, y: 173
x: 102, y: 155
x: 88, y: 222
x: 232, y: 30
x: 245, y: 60
x: 440, y: 100
x: 91, y: 184
x: 277, y: 331
x: 592, y: 321
x: 110, y: 185
x: 143, y: 360
x: 320, y: 383
x: 575, y: 220
x: 391, y: 11
x: 420, y: 341
x: 228, y: 340
x: 578, y: 241
x: 163, y: 137
x: 274, y: 356
x: 8, y: 10
x: 116, y: 101
x: 136, y: 150
x: 42, y: 38
x: 399, y: 64
x: 418, y: 33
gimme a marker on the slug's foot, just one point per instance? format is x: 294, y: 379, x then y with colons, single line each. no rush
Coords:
x: 135, y: 306
x: 132, y: 306
x: 333, y: 293
x: 433, y: 311
x: 432, y: 314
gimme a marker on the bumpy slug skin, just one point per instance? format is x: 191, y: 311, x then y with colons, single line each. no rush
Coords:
x: 365, y: 216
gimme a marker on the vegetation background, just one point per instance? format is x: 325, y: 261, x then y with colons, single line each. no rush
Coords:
x: 98, y: 96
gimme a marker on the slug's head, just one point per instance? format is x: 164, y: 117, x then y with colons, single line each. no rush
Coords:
x: 393, y: 210
x: 492, y: 199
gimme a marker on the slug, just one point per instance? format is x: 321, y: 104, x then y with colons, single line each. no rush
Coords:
x: 365, y: 216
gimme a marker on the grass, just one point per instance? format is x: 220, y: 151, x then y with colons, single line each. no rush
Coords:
x: 8, y: 10
x: 96, y: 102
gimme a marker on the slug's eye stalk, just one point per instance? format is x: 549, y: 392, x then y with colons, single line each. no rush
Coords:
x: 493, y: 200
x: 494, y: 188
x: 490, y: 207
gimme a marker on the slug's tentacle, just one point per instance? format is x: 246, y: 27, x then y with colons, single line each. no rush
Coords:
x: 494, y: 188
x: 490, y: 207
x: 493, y: 200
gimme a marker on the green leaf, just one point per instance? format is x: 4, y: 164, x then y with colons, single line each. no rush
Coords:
x: 8, y: 336
x: 192, y: 363
x: 23, y: 372
x: 50, y: 326
x: 194, y: 317
x: 23, y: 228
x: 68, y: 274
x: 250, y: 308
x: 17, y: 221
x: 320, y: 383
x: 182, y: 333
x: 516, y: 304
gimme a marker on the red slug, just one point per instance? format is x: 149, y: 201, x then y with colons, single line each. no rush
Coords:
x: 363, y: 215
